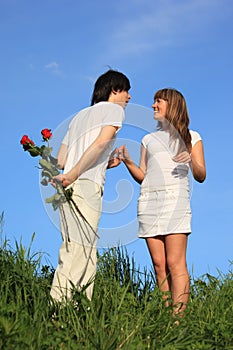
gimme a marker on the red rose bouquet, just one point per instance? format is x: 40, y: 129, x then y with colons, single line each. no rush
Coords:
x: 48, y: 166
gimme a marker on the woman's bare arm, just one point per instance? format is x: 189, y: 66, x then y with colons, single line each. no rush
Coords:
x: 196, y: 161
x: 137, y: 172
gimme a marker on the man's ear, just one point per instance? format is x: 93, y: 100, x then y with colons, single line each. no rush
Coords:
x: 112, y: 95
x: 114, y: 91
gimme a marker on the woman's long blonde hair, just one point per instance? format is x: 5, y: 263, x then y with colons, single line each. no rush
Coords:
x: 177, y: 114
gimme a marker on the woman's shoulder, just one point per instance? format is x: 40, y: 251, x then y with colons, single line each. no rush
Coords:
x: 195, y: 136
x: 148, y: 137
x: 153, y: 137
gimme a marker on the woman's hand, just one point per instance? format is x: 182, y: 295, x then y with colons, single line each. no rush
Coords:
x: 183, y: 157
x: 119, y: 155
x: 138, y: 173
x: 123, y: 154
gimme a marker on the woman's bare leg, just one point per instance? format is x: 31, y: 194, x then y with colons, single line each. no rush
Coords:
x: 156, y: 247
x: 176, y: 246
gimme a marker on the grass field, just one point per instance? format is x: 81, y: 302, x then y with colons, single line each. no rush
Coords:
x: 127, y: 311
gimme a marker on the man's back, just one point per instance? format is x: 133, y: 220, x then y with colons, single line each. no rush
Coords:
x: 84, y: 129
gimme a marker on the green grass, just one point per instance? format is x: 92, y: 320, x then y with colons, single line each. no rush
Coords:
x: 127, y: 311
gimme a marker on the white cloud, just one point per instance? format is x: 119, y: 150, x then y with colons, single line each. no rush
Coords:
x: 54, y: 68
x: 166, y: 23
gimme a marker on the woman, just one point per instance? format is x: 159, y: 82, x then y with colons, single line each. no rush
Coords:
x: 164, y: 213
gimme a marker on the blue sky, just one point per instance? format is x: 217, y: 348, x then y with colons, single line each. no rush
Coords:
x: 53, y: 51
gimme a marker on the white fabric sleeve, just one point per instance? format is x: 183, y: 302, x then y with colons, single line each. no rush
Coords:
x: 195, y: 137
x: 145, y: 140
x: 114, y: 115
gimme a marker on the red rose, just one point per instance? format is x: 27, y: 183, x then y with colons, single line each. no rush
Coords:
x: 26, y: 142
x: 46, y: 133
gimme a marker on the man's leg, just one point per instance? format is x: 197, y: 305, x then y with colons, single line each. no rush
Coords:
x: 77, y: 255
x: 76, y: 268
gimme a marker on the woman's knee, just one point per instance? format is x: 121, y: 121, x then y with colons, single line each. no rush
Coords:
x: 159, y: 265
x: 176, y: 265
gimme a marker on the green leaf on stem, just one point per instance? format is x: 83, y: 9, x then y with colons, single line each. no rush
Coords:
x: 49, y: 167
x: 53, y: 160
x: 46, y: 173
x: 45, y: 151
x: 44, y: 182
x: 34, y: 151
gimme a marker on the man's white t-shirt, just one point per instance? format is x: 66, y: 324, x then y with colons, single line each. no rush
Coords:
x: 83, y: 129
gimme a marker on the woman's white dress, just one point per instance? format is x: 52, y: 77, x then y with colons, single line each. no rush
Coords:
x: 164, y: 201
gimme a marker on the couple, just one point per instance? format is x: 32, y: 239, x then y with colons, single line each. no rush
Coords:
x: 164, y: 205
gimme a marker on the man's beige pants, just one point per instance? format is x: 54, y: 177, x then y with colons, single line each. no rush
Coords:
x: 77, y: 254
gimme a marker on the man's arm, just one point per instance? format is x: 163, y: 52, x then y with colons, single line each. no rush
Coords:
x: 61, y: 156
x: 90, y: 156
x: 114, y: 161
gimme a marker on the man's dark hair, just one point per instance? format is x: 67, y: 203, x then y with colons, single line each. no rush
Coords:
x: 108, y: 82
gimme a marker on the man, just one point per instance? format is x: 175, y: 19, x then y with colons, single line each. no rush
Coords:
x: 85, y: 155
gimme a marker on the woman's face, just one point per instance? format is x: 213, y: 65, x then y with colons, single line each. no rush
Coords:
x: 160, y: 109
